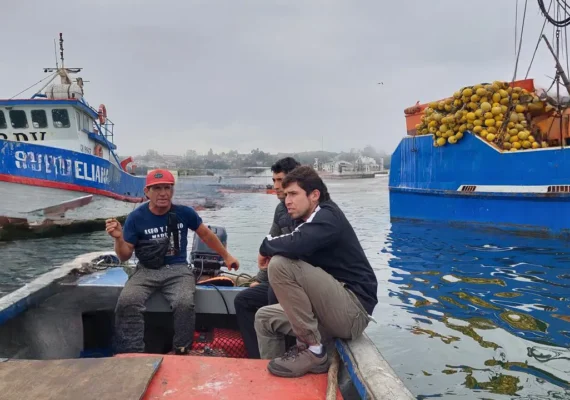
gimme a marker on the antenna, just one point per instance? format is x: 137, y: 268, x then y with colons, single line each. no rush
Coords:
x: 55, y: 53
x: 61, y: 48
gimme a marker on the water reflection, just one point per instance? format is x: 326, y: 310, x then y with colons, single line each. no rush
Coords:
x: 501, y: 300
x: 461, y: 314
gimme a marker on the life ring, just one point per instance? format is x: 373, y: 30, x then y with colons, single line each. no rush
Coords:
x: 102, y: 114
x: 99, y: 150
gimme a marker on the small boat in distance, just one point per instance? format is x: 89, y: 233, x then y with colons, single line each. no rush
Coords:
x: 58, y: 157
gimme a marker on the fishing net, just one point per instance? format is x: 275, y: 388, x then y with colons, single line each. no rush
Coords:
x: 218, y: 343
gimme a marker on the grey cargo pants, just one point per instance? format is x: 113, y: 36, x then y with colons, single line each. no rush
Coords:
x: 311, y: 303
x: 178, y: 285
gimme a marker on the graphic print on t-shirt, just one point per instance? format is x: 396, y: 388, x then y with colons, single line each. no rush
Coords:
x: 161, y: 232
x: 141, y: 224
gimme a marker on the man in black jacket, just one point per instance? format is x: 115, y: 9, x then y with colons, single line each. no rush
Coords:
x: 321, y: 277
x: 259, y: 293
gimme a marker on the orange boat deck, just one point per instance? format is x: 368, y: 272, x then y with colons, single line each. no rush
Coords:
x: 205, y: 378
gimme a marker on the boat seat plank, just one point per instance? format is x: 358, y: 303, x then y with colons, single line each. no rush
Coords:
x: 208, y: 378
x: 72, y: 379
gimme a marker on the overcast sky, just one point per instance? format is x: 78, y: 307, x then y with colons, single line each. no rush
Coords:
x: 278, y: 75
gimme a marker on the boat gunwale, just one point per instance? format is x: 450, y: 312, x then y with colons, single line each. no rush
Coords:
x: 495, y: 148
x: 45, y: 285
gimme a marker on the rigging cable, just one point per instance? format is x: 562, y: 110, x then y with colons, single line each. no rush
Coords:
x: 516, y: 23
x: 558, y: 23
x: 566, y: 8
x: 28, y: 88
x: 520, y: 41
x: 538, y: 42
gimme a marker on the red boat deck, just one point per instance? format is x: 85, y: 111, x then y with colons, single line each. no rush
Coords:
x: 204, y: 378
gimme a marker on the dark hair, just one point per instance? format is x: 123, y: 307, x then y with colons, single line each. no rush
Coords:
x: 285, y: 165
x: 308, y: 179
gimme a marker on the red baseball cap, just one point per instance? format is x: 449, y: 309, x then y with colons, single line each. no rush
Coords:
x: 159, y: 176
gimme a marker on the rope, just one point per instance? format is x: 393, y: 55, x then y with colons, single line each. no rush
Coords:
x: 558, y: 23
x: 538, y: 41
x: 520, y: 40
x: 566, y: 48
x: 332, y: 379
x: 558, y: 56
x: 248, y: 278
x: 510, y: 106
x: 516, y: 23
x: 28, y: 88
x: 88, y: 268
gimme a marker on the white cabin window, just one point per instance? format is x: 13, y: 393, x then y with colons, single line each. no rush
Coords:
x: 60, y: 118
x: 39, y: 119
x: 18, y: 119
x: 3, y: 124
x: 86, y: 123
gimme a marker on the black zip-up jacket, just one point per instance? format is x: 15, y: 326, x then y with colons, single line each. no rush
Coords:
x: 282, y: 223
x: 327, y: 240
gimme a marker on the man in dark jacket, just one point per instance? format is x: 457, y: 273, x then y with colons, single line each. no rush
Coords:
x: 259, y: 293
x: 321, y: 277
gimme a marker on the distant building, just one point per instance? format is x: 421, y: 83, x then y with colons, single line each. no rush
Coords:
x: 362, y: 164
x: 366, y: 164
x: 338, y: 167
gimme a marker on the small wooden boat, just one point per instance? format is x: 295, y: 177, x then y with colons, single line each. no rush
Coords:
x: 55, y: 343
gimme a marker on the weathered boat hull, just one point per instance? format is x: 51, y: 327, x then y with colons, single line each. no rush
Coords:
x: 65, y: 315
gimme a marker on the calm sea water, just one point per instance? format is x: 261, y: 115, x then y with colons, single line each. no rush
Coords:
x: 462, y: 313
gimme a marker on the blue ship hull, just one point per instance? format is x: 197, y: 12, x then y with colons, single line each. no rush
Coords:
x: 473, y: 183
x: 36, y: 180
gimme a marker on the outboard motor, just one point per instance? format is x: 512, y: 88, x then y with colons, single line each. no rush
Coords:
x: 205, y: 260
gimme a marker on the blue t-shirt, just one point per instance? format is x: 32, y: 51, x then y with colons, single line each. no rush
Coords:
x: 142, y: 224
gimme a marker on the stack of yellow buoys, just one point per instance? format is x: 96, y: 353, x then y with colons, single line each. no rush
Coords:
x: 497, y: 112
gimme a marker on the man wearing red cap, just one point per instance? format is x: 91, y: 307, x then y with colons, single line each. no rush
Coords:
x: 157, y: 232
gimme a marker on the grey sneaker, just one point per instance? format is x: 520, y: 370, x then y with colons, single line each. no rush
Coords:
x: 298, y: 361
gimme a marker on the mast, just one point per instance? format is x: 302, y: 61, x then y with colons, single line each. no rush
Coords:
x: 559, y: 68
x: 64, y: 72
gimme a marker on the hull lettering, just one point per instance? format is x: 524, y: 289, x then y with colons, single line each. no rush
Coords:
x: 26, y: 137
x: 58, y: 165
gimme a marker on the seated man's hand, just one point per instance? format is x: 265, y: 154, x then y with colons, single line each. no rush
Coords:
x: 231, y: 262
x: 113, y: 228
x: 263, y: 261
x: 252, y: 284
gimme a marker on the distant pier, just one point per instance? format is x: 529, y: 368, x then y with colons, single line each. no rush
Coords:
x: 348, y: 175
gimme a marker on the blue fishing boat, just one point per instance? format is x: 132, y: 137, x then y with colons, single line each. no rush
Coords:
x: 58, y: 156
x: 494, y: 155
